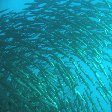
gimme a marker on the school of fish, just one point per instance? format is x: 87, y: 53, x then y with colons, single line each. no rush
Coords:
x: 56, y: 56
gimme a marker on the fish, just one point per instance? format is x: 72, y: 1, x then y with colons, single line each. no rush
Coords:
x: 54, y: 57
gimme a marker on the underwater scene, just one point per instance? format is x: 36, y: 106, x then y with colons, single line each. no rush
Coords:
x: 55, y: 56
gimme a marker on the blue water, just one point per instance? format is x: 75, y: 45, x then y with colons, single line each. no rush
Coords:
x: 18, y: 5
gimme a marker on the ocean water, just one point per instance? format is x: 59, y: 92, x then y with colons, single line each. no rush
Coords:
x: 16, y: 5
x: 56, y: 56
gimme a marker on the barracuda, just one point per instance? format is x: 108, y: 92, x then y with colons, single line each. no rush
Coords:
x: 54, y: 57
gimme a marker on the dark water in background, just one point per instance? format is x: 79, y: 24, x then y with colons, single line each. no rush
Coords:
x: 18, y: 5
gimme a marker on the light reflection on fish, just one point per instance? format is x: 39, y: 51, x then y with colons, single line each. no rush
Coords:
x: 54, y: 57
